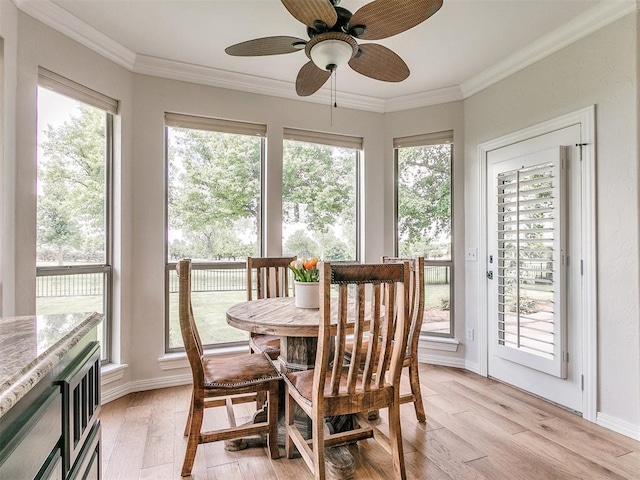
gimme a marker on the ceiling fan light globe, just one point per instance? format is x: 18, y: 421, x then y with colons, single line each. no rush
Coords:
x: 330, y: 53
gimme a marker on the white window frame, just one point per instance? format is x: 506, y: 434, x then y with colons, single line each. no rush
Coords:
x: 340, y: 141
x: 69, y: 88
x: 220, y: 126
x: 422, y: 140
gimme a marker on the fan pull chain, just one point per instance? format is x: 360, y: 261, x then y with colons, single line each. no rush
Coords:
x: 332, y: 94
x: 335, y: 89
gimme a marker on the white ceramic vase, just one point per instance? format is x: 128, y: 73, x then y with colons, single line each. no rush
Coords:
x: 306, y: 294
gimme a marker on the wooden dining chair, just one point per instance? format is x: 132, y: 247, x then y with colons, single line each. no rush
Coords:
x: 272, y: 280
x: 223, y: 382
x: 338, y: 385
x: 416, y: 315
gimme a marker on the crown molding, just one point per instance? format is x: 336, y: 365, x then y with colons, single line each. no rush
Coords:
x: 59, y: 19
x: 580, y: 27
x: 160, y: 67
x: 424, y: 99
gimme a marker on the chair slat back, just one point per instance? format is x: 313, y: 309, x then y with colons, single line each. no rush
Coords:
x: 365, y: 293
x: 188, y: 328
x: 416, y: 298
x: 271, y: 274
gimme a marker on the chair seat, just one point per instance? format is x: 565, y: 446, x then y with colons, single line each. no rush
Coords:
x: 269, y: 344
x: 238, y: 371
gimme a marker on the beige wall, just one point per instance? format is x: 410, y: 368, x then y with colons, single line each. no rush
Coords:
x: 600, y: 70
x: 8, y: 77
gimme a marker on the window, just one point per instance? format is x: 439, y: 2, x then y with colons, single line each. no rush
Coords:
x: 214, y: 179
x: 75, y: 131
x: 423, y: 220
x: 320, y: 195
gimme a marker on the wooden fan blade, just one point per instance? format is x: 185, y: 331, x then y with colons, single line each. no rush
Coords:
x: 306, y: 11
x: 266, y: 46
x: 380, y: 63
x: 384, y: 18
x: 310, y: 79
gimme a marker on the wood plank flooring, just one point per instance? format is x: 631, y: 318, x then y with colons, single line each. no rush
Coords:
x: 476, y: 428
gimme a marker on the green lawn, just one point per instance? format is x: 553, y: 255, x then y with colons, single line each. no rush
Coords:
x: 434, y: 294
x: 209, y: 309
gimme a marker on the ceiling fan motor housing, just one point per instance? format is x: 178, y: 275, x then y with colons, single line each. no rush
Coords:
x: 341, y: 25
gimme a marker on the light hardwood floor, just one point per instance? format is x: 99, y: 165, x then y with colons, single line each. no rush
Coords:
x: 476, y: 429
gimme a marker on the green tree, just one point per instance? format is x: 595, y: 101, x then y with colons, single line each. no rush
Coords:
x: 424, y: 200
x: 319, y: 179
x: 57, y: 227
x: 214, y: 192
x: 332, y: 248
x: 301, y: 244
x: 71, y: 180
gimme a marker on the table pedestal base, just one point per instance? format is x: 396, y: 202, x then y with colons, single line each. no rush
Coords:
x: 340, y: 461
x: 297, y: 353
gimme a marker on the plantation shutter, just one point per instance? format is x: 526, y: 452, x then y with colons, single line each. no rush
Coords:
x: 531, y: 265
x: 71, y: 89
x: 214, y: 124
x: 331, y: 139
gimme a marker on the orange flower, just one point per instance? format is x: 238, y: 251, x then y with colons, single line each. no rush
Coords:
x: 310, y: 263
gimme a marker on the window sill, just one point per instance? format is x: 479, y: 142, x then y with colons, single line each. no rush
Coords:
x: 439, y: 343
x: 175, y: 360
x: 112, y: 372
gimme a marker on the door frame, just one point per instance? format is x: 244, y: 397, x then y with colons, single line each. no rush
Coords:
x: 588, y: 295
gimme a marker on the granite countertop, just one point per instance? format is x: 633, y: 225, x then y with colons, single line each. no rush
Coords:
x: 31, y: 346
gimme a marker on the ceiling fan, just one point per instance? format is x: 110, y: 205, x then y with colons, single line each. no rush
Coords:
x: 333, y: 31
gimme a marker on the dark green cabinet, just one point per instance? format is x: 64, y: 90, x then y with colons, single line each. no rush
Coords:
x: 80, y: 387
x: 34, y: 436
x: 53, y: 433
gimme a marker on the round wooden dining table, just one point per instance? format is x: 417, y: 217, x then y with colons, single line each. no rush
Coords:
x: 296, y: 327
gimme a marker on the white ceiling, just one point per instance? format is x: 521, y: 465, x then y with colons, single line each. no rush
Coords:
x: 464, y: 47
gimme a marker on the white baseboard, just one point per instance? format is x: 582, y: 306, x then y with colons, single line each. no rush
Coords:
x: 441, y: 360
x: 111, y: 394
x: 619, y: 426
x: 472, y: 367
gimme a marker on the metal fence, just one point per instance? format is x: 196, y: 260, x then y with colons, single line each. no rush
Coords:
x: 80, y: 285
x: 227, y: 277
x: 71, y: 281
